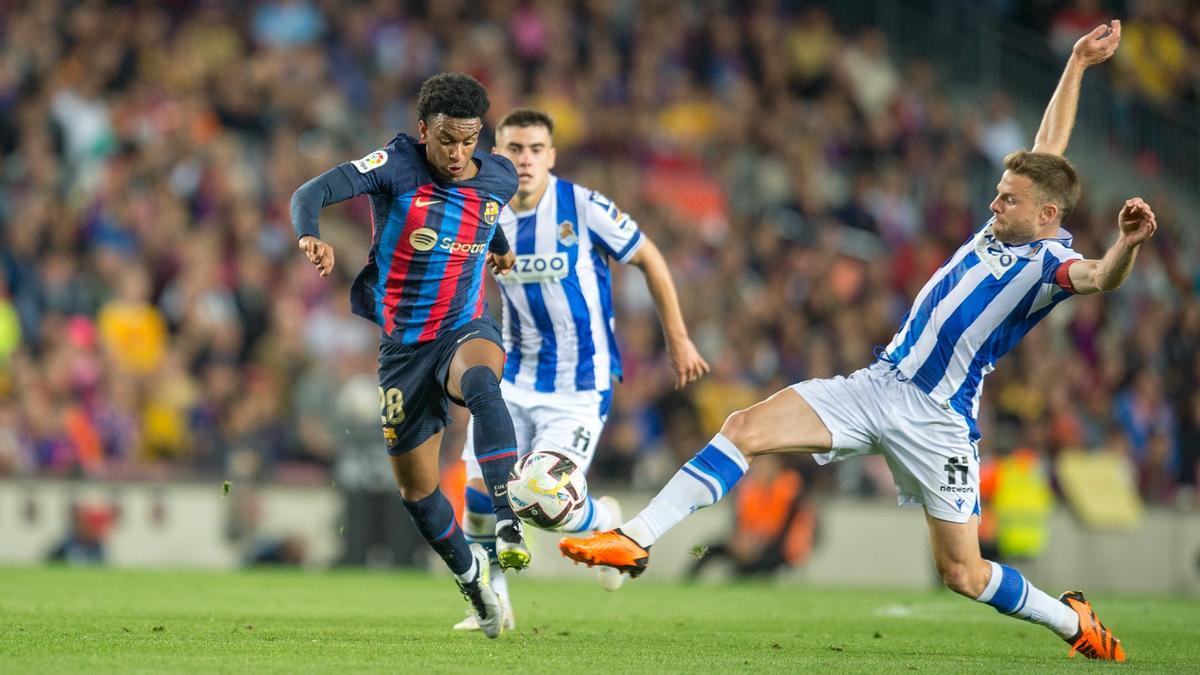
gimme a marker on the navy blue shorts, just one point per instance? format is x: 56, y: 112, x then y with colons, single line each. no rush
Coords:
x: 413, y: 402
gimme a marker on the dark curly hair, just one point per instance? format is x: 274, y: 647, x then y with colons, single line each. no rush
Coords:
x: 453, y: 95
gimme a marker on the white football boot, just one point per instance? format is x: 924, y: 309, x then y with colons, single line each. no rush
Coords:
x: 511, y: 551
x: 472, y: 623
x: 485, y: 604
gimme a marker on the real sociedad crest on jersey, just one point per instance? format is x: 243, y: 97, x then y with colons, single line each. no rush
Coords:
x: 490, y: 212
x: 566, y: 233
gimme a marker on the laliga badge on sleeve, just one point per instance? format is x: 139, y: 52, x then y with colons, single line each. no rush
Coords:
x: 371, y: 162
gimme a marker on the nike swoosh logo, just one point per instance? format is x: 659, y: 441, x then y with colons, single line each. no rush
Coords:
x: 422, y: 202
x: 459, y: 340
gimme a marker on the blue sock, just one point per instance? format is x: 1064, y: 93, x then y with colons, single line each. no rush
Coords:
x: 495, y: 439
x: 1009, y: 592
x: 593, y: 516
x: 702, y: 482
x: 434, y: 517
x: 479, y: 521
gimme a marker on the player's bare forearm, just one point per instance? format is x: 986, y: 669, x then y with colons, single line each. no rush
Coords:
x: 1059, y: 118
x: 1054, y: 133
x: 662, y: 289
x: 1107, y: 273
x: 1136, y: 223
x: 1116, y: 264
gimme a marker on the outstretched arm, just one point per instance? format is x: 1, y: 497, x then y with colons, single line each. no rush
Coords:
x: 1137, y: 224
x: 685, y: 358
x: 1095, y: 47
x: 307, y: 202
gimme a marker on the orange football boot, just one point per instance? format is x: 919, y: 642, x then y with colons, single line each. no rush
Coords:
x: 1093, y: 640
x: 611, y: 549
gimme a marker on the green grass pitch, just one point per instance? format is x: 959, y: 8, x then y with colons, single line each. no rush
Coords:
x: 56, y: 620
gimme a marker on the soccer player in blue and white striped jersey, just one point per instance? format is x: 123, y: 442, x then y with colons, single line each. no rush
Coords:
x: 558, y: 322
x: 916, y: 405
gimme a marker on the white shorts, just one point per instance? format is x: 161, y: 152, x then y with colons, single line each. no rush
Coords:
x: 927, y: 446
x: 567, y: 422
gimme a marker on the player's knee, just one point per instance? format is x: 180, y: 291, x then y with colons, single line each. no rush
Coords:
x: 415, y: 491
x: 739, y: 430
x: 480, y: 386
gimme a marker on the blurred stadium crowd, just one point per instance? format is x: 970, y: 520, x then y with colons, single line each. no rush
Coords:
x: 157, y: 319
x: 1159, y: 42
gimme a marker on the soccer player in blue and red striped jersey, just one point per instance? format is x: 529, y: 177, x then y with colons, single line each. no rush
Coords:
x: 434, y: 209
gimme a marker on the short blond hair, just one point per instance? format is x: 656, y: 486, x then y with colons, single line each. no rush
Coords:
x: 1053, y: 175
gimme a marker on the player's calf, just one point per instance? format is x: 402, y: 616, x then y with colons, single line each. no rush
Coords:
x: 434, y: 518
x: 494, y: 437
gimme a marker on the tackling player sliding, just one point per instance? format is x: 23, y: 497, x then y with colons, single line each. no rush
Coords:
x: 916, y: 404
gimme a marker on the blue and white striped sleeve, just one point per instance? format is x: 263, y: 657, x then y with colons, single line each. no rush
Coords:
x: 611, y: 229
x: 1059, y: 259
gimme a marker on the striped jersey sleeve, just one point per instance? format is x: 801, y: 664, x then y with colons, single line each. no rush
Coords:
x: 612, y: 230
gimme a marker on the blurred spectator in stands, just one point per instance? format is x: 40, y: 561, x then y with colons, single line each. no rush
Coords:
x: 1001, y: 133
x: 1080, y: 17
x: 1017, y: 504
x: 1154, y: 54
x: 1148, y: 421
x: 84, y: 543
x: 870, y: 71
x: 803, y: 182
x: 10, y: 327
x: 132, y: 330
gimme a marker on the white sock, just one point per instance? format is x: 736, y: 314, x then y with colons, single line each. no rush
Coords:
x: 1010, y: 593
x: 593, y: 516
x: 479, y: 521
x: 470, y: 574
x: 500, y: 584
x: 703, y: 481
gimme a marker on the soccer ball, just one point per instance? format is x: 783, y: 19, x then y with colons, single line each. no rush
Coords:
x: 545, y: 488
